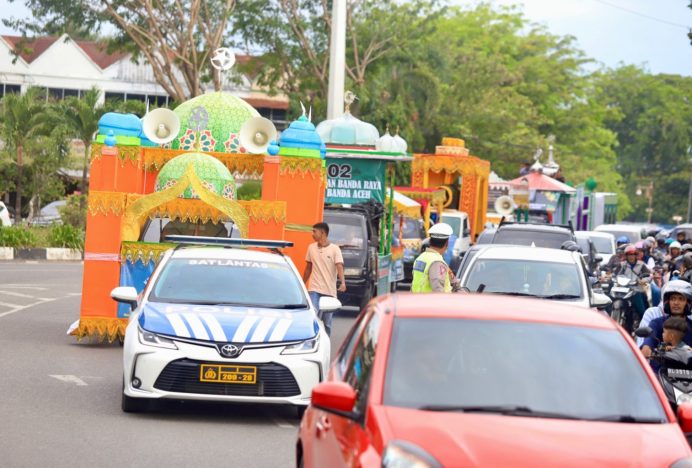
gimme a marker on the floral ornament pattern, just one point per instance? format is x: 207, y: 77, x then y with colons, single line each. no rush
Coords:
x: 206, y: 140
x: 163, y: 186
x: 229, y: 191
x: 233, y: 145
x: 187, y: 141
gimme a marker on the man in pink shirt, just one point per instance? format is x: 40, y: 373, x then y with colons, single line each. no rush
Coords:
x: 324, y: 263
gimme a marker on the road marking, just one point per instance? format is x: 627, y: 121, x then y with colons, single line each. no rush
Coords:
x: 16, y: 294
x: 23, y: 286
x: 11, y: 306
x: 70, y: 379
x: 282, y: 423
x: 17, y: 308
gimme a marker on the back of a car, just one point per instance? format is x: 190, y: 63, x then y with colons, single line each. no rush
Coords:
x: 547, y: 385
x: 604, y: 243
x: 633, y: 233
x: 532, y: 235
x: 459, y: 222
x: 349, y: 231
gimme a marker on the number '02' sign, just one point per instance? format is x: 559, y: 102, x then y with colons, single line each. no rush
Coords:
x: 352, y: 181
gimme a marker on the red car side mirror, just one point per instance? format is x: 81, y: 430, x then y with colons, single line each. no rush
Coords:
x: 685, y: 417
x: 337, y: 397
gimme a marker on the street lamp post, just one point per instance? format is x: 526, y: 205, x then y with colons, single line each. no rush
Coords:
x: 648, y: 191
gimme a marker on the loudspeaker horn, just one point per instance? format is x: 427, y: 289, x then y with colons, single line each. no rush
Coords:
x: 504, y: 205
x: 256, y: 134
x: 161, y: 126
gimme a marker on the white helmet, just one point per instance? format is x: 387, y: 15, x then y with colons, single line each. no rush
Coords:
x: 441, y: 231
x: 675, y: 245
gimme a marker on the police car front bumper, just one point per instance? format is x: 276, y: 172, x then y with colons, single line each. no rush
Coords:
x: 156, y: 373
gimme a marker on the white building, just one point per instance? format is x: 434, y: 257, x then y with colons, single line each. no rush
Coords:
x: 67, y: 67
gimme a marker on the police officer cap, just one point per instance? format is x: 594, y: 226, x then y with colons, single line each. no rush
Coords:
x: 441, y: 231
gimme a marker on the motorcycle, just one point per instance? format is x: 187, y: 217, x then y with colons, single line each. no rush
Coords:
x: 674, y: 370
x: 621, y: 293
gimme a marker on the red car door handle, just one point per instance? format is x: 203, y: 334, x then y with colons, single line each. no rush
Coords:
x: 322, y: 426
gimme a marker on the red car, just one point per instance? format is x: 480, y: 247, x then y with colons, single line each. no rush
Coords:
x: 481, y: 380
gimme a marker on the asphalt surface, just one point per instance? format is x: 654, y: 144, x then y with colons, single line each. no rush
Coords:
x: 60, y: 400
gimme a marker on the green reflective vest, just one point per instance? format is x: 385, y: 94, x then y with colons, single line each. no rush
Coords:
x: 421, y: 266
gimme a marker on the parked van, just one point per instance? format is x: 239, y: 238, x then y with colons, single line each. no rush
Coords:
x: 459, y: 221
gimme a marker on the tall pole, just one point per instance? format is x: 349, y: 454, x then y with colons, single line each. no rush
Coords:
x: 337, y: 60
x: 689, y: 200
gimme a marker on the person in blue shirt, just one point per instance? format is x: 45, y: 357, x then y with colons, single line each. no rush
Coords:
x: 677, y: 302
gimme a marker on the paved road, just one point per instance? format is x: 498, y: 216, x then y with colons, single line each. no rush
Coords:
x: 60, y: 400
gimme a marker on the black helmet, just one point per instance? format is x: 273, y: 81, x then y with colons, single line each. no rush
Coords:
x: 677, y: 287
x: 687, y: 260
x: 661, y: 238
x: 571, y: 246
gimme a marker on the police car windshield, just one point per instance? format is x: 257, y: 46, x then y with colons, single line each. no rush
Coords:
x: 517, y: 368
x: 225, y: 281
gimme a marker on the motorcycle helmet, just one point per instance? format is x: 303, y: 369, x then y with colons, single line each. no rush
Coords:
x: 630, y: 249
x: 640, y: 245
x: 650, y: 240
x: 686, y: 248
x: 571, y: 246
x: 677, y: 287
x: 660, y: 238
x: 687, y: 260
x: 669, y: 241
x: 623, y: 240
x: 674, y: 245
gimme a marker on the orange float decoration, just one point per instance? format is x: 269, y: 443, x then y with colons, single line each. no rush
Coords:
x: 185, y: 182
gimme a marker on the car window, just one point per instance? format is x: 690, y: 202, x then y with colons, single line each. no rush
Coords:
x: 548, y: 239
x: 466, y: 260
x: 412, y: 228
x: 534, y: 278
x: 350, y: 342
x: 360, y: 367
x: 603, y: 245
x: 574, y: 371
x: 454, y: 222
x: 226, y: 281
x: 466, y: 225
x: 348, y: 232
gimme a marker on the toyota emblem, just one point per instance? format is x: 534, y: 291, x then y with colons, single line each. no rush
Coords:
x: 230, y: 350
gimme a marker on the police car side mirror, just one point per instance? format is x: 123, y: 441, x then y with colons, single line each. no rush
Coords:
x: 329, y: 304
x: 126, y: 295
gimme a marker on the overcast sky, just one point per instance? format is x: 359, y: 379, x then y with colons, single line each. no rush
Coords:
x: 653, y: 33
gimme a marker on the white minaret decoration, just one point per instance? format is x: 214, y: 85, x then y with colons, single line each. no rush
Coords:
x: 337, y: 61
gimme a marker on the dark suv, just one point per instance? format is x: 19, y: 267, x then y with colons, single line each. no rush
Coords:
x: 539, y: 235
x: 355, y: 230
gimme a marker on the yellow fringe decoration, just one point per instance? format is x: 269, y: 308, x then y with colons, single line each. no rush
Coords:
x: 139, y: 208
x: 106, y: 202
x: 155, y: 158
x: 464, y: 165
x: 435, y: 197
x: 413, y: 244
x: 125, y: 153
x: 144, y: 251
x: 405, y: 210
x: 299, y: 227
x: 302, y: 166
x: 103, y: 328
x: 260, y: 210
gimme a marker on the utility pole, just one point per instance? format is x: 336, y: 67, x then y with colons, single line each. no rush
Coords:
x: 337, y: 61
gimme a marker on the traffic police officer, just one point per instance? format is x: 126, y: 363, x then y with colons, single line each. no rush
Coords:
x: 430, y: 272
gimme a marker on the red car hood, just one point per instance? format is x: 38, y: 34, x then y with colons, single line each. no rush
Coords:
x: 457, y: 439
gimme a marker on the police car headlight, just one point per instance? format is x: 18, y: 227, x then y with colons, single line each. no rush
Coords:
x: 684, y: 398
x: 352, y: 272
x: 304, y: 347
x: 403, y: 454
x: 152, y: 339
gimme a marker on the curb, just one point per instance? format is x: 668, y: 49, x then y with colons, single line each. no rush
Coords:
x: 57, y: 254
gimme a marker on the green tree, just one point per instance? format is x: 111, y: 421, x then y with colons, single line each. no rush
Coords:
x: 18, y: 127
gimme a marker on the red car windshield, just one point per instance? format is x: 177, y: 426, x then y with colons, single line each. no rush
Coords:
x: 553, y: 370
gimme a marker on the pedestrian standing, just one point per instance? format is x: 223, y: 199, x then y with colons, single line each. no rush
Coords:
x: 324, y: 264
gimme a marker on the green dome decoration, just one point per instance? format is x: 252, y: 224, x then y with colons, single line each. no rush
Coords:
x: 213, y: 174
x: 226, y: 114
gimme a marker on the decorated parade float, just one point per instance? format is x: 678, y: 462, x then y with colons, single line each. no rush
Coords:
x: 172, y: 173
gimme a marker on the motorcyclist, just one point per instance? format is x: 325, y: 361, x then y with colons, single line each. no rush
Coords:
x: 661, y: 249
x: 635, y: 270
x: 618, y: 258
x: 681, y: 237
x: 657, y: 310
x: 687, y: 267
x: 643, y: 254
x: 677, y: 302
x: 674, y: 249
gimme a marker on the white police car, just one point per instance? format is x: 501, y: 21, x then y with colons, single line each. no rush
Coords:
x: 224, y: 324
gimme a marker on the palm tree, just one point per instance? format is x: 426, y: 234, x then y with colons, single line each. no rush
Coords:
x: 82, y: 118
x: 18, y: 126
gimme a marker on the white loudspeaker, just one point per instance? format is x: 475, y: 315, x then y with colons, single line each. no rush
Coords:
x: 504, y: 205
x: 256, y: 134
x: 161, y: 125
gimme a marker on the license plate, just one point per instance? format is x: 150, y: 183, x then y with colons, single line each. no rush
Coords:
x: 680, y: 374
x: 221, y: 373
x: 618, y: 289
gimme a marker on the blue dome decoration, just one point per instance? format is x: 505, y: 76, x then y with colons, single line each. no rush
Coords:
x: 348, y: 130
x: 301, y: 139
x: 121, y: 124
